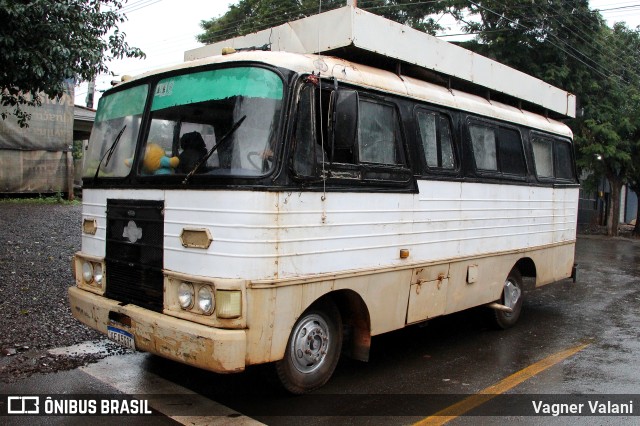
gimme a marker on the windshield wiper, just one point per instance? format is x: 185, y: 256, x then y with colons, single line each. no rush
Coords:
x: 110, y: 151
x: 204, y: 158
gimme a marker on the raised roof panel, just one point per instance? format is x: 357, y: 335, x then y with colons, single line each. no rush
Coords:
x: 362, y: 36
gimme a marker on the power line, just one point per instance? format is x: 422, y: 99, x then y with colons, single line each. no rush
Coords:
x: 275, y: 17
x: 137, y: 5
x: 566, y: 25
x: 592, y: 39
x: 623, y: 56
x: 563, y: 49
x: 230, y: 28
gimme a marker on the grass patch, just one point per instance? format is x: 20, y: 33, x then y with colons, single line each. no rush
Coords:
x: 40, y: 199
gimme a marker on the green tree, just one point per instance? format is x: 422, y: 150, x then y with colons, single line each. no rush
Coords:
x: 627, y: 43
x: 249, y: 16
x: 548, y: 39
x: 634, y: 183
x: 568, y: 45
x: 44, y: 42
x: 608, y: 134
x: 562, y: 42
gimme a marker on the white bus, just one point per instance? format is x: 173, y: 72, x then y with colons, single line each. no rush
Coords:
x: 242, y: 209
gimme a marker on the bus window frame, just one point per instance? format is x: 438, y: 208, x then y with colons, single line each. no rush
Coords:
x: 554, y: 140
x: 498, y: 173
x: 399, y: 139
x: 106, y: 181
x: 425, y: 169
x: 356, y: 174
x: 293, y: 142
x: 136, y: 177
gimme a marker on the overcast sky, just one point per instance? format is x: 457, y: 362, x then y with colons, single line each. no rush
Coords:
x: 165, y: 29
x: 619, y: 11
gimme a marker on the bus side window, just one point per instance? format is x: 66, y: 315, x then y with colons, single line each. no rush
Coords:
x: 343, y: 125
x: 564, y: 163
x: 511, y: 153
x: 543, y: 157
x: 552, y: 158
x: 340, y: 135
x: 435, y: 135
x: 483, y: 140
x: 378, y: 133
x: 498, y: 149
x: 305, y: 134
x: 311, y: 134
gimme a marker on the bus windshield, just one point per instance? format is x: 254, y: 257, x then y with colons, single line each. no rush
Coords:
x: 115, y: 132
x: 190, y: 114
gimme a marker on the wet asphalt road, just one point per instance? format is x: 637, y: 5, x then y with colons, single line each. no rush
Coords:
x: 449, y: 359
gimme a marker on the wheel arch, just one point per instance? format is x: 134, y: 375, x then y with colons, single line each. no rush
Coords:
x: 527, y: 267
x: 356, y: 322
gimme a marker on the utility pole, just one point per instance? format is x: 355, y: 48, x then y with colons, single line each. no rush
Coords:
x: 90, y: 92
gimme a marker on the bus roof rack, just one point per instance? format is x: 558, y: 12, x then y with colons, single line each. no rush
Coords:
x: 359, y: 36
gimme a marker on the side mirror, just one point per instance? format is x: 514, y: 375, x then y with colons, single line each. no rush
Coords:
x: 344, y: 120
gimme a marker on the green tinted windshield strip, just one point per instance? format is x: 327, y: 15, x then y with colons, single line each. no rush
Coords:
x: 216, y: 85
x: 122, y: 104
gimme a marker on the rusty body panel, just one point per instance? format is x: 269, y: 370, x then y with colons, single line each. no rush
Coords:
x: 390, y: 299
x: 396, y: 297
x: 194, y: 344
x: 282, y: 252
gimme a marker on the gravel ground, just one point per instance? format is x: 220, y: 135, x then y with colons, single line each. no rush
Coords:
x: 37, y: 243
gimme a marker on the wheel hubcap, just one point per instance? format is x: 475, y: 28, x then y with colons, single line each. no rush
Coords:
x: 310, y: 343
x: 511, y: 294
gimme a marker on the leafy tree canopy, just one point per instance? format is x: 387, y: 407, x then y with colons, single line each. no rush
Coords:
x: 562, y: 42
x: 44, y: 42
x: 249, y: 16
x: 567, y: 44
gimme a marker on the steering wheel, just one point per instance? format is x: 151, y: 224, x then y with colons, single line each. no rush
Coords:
x: 266, y: 157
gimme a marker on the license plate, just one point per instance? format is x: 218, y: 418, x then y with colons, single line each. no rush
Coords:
x: 120, y: 336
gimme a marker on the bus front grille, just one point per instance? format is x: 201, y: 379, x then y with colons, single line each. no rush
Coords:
x: 134, y: 252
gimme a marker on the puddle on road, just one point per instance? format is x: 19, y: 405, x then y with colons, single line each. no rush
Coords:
x: 93, y: 347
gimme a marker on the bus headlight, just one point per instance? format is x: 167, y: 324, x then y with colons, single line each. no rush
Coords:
x: 206, y: 303
x: 185, y: 295
x: 97, y: 273
x: 229, y: 303
x: 87, y: 272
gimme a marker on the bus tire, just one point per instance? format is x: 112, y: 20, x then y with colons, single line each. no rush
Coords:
x: 313, y: 349
x: 512, y: 296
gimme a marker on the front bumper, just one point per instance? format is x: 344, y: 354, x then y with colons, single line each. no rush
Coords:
x: 213, y: 349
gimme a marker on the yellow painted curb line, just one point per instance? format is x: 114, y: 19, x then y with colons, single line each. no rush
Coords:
x: 474, y: 401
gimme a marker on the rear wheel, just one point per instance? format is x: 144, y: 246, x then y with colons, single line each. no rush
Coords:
x: 313, y: 349
x: 511, y: 297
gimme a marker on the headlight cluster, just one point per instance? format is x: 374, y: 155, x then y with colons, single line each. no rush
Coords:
x: 201, y: 298
x: 92, y: 273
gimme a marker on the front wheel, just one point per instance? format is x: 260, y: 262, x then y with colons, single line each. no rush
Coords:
x: 313, y: 349
x: 511, y: 297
